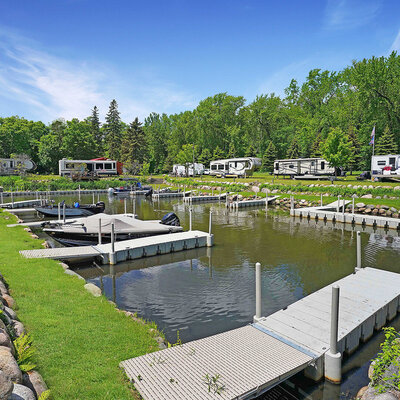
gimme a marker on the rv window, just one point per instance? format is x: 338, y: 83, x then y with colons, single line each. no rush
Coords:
x: 99, y: 166
x: 107, y: 166
x: 70, y: 166
x: 221, y: 166
x: 322, y: 164
x: 291, y: 166
x: 381, y: 162
x: 312, y: 163
x: 214, y: 166
x: 277, y: 165
x: 392, y: 161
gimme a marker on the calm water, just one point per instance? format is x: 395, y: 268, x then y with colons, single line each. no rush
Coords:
x: 206, y: 291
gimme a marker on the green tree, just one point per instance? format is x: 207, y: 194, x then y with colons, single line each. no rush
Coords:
x: 186, y: 156
x: 77, y: 141
x: 269, y: 157
x: 205, y: 157
x: 386, y: 144
x: 113, y: 129
x: 316, y: 147
x: 337, y: 148
x: 134, y: 147
x: 218, y: 154
x: 95, y: 130
x: 294, y: 149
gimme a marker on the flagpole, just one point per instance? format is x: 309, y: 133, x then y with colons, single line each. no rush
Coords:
x: 373, y: 145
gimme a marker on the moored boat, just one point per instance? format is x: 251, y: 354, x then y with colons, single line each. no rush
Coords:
x: 77, y: 210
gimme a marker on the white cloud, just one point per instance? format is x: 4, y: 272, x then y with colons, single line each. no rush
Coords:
x: 54, y: 87
x: 348, y: 14
x: 396, y: 43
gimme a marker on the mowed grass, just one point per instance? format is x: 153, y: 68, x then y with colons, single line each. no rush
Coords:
x: 80, y: 339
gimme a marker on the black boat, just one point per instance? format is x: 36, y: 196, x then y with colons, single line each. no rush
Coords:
x: 77, y: 210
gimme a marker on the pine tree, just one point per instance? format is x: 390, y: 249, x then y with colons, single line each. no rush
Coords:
x: 294, y: 149
x: 134, y: 147
x: 386, y: 144
x: 250, y: 152
x: 113, y: 131
x: 205, y: 156
x: 316, y: 147
x: 269, y: 157
x: 218, y: 154
x: 96, y: 131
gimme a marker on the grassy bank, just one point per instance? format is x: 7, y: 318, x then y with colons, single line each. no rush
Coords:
x: 80, y: 339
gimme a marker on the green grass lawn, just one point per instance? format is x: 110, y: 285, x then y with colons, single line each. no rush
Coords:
x: 80, y: 339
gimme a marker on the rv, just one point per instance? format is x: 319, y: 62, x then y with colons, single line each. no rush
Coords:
x: 385, y: 166
x: 180, y: 170
x: 244, y: 166
x: 15, y: 166
x: 95, y: 167
x: 303, y: 166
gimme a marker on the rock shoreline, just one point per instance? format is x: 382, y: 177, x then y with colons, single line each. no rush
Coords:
x: 14, y: 383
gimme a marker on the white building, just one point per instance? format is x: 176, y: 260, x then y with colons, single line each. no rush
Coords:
x: 385, y: 165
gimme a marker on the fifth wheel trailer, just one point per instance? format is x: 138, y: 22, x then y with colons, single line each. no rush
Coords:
x: 303, y: 166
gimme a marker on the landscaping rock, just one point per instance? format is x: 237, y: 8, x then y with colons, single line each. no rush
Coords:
x: 361, y: 392
x: 6, y: 386
x: 93, y: 289
x: 21, y: 392
x: 2, y: 325
x: 11, y: 313
x: 65, y: 266
x: 367, y: 196
x: 34, y: 381
x: 19, y: 328
x: 6, y: 341
x: 9, y: 366
x: 72, y: 273
x: 9, y: 300
x: 371, y: 370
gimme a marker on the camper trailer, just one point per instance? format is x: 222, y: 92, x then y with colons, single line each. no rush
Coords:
x: 303, y: 166
x: 385, y: 166
x: 15, y: 166
x: 95, y: 167
x: 180, y: 170
x: 244, y: 166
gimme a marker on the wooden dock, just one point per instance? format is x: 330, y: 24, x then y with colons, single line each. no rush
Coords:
x: 323, y: 214
x: 261, y: 202
x: 255, y: 358
x: 127, y: 249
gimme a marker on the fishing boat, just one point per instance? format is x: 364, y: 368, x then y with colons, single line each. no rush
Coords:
x: 85, y: 232
x: 77, y: 210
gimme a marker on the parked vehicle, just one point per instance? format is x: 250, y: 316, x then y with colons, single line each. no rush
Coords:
x: 96, y: 167
x: 16, y: 166
x: 235, y: 167
x: 303, y: 166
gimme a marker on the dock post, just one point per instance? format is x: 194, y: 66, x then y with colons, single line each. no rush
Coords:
x: 12, y: 199
x: 333, y: 358
x: 190, y: 218
x: 125, y: 205
x: 257, y: 317
x: 2, y: 200
x: 93, y: 197
x: 338, y: 204
x: 321, y: 200
x: 353, y: 206
x: 210, y: 237
x: 59, y: 211
x: 99, y: 230
x: 64, y: 213
x: 266, y: 202
x: 134, y: 207
x: 113, y: 260
x: 344, y: 206
x: 358, y: 267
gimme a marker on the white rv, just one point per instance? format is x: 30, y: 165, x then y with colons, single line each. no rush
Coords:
x: 15, y: 166
x: 385, y: 165
x: 303, y: 166
x: 180, y: 170
x: 244, y: 166
x: 99, y: 167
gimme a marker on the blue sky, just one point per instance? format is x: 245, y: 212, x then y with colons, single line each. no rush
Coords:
x: 59, y: 58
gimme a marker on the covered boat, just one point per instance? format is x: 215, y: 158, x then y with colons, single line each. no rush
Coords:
x: 77, y: 210
x: 86, y: 230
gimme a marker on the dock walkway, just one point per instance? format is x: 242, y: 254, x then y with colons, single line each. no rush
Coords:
x: 253, y: 359
x: 196, y: 199
x: 22, y: 204
x: 128, y: 249
x: 251, y: 203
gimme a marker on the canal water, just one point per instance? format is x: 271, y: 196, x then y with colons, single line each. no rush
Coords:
x: 206, y: 291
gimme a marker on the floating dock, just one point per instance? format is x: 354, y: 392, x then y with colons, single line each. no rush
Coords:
x: 23, y: 204
x: 196, y: 199
x: 251, y: 203
x: 255, y: 358
x: 166, y: 195
x: 323, y: 214
x: 127, y: 249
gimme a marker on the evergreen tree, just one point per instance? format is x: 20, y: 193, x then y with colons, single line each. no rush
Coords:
x: 134, y: 147
x: 294, y: 149
x: 386, y: 144
x: 205, y: 156
x: 269, y: 157
x: 250, y: 152
x: 218, y: 154
x: 113, y: 131
x: 316, y: 147
x: 95, y: 130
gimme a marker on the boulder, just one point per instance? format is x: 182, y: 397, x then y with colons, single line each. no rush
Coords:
x: 93, y: 289
x: 6, y: 341
x: 9, y: 366
x: 361, y: 392
x: 395, y: 215
x: 9, y: 300
x: 384, y: 207
x: 393, y: 210
x: 21, y: 392
x: 367, y: 196
x: 11, y: 313
x: 19, y: 328
x: 360, y: 205
x: 6, y: 386
x: 73, y: 273
x: 34, y: 381
x: 382, y: 212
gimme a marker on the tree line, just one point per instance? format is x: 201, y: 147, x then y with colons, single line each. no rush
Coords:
x: 331, y: 114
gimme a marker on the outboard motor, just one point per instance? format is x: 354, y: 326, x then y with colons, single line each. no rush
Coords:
x: 101, y: 205
x: 170, y: 219
x: 150, y: 192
